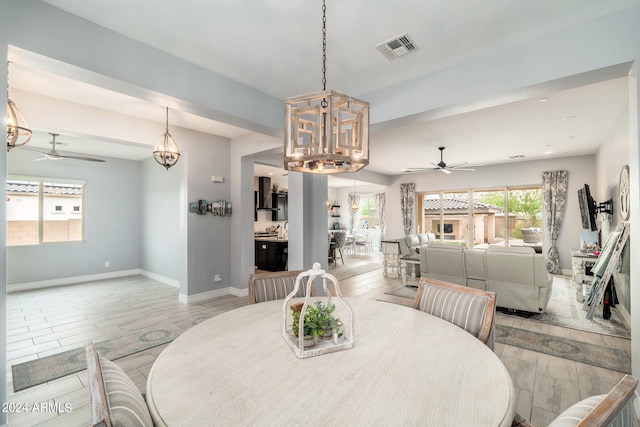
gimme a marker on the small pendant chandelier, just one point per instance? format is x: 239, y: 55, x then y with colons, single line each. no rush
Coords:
x: 326, y: 132
x: 166, y: 151
x: 18, y: 130
x: 354, y: 204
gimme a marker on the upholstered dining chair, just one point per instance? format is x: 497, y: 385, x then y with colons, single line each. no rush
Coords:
x: 274, y: 285
x: 471, y: 309
x: 614, y: 409
x: 114, y: 397
x: 339, y: 241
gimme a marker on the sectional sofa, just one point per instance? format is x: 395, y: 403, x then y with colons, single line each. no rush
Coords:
x: 518, y: 276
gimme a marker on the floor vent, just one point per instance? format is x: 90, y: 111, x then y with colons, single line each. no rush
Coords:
x: 397, y: 46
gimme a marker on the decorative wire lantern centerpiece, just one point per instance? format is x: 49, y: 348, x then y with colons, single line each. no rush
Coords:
x: 326, y: 131
x: 313, y: 330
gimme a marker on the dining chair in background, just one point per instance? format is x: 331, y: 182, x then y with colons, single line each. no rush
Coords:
x: 274, y: 285
x: 614, y: 409
x: 339, y: 242
x: 359, y: 239
x: 471, y: 309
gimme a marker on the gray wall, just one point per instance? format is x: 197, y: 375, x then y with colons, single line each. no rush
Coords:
x: 187, y: 248
x: 611, y: 157
x: 113, y: 221
x: 160, y: 212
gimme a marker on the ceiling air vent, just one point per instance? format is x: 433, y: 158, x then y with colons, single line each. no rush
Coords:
x: 397, y: 46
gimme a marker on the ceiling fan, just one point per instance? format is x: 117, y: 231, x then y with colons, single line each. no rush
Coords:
x: 443, y: 167
x: 55, y: 155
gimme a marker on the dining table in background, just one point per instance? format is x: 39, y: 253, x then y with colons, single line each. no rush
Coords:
x: 406, y: 368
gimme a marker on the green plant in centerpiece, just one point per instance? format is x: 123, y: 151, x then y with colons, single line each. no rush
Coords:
x: 318, y: 320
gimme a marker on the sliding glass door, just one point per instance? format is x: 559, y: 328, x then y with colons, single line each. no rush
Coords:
x: 479, y: 218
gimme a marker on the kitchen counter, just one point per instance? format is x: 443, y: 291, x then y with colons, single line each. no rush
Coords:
x: 271, y: 239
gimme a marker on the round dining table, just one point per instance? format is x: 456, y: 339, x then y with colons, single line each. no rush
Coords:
x: 406, y: 368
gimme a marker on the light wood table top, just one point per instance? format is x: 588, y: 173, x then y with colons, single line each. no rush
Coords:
x: 406, y: 368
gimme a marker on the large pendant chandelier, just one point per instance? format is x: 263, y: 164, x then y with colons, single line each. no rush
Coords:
x: 18, y: 130
x: 326, y: 132
x: 166, y: 151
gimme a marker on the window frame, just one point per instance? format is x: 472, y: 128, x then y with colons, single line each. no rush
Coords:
x: 471, y: 192
x: 41, y: 181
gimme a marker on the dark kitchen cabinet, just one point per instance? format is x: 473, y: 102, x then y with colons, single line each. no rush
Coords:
x: 270, y: 255
x: 280, y: 206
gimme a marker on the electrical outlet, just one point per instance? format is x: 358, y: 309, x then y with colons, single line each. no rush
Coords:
x: 107, y: 264
x: 217, y: 278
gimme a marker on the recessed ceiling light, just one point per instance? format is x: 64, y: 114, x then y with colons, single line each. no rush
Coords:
x: 570, y: 117
x: 270, y: 174
x: 543, y: 99
x: 517, y: 156
x: 548, y: 152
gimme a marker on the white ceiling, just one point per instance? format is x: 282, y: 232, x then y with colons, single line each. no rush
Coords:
x: 275, y: 46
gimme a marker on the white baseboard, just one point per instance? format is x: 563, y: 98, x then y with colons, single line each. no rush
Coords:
x: 204, y: 296
x: 161, y: 279
x: 17, y: 287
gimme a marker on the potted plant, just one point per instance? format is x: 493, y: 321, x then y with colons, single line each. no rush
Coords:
x: 309, y: 337
x: 318, y: 322
x: 326, y: 320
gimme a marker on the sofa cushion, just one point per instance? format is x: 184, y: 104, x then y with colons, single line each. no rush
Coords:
x: 426, y: 238
x: 444, y: 261
x: 475, y: 268
x: 511, y: 249
x: 409, y: 245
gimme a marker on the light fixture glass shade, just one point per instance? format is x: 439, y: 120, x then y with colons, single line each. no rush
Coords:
x: 326, y: 132
x: 18, y: 130
x: 354, y: 207
x: 166, y: 151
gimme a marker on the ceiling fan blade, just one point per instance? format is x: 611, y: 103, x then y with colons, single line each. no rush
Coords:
x: 420, y: 169
x: 464, y: 169
x: 87, y: 159
x: 445, y: 170
x: 455, y: 165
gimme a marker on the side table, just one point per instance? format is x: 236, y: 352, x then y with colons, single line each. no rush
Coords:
x: 391, y: 260
x: 581, y: 264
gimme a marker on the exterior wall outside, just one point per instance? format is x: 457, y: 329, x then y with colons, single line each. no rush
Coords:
x: 485, y: 227
x: 22, y: 232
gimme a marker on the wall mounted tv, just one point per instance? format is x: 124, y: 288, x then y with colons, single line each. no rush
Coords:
x: 587, y: 209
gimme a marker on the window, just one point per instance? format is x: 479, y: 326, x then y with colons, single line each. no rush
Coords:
x: 41, y: 210
x: 368, y: 213
x: 449, y: 215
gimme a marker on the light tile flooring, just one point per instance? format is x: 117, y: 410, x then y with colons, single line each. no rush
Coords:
x: 48, y: 321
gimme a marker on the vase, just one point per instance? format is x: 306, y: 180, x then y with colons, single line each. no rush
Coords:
x: 308, y: 341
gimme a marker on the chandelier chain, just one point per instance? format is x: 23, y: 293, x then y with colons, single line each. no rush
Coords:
x: 324, y: 45
x: 167, y: 119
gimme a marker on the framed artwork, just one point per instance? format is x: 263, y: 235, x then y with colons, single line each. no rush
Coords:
x: 623, y: 194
